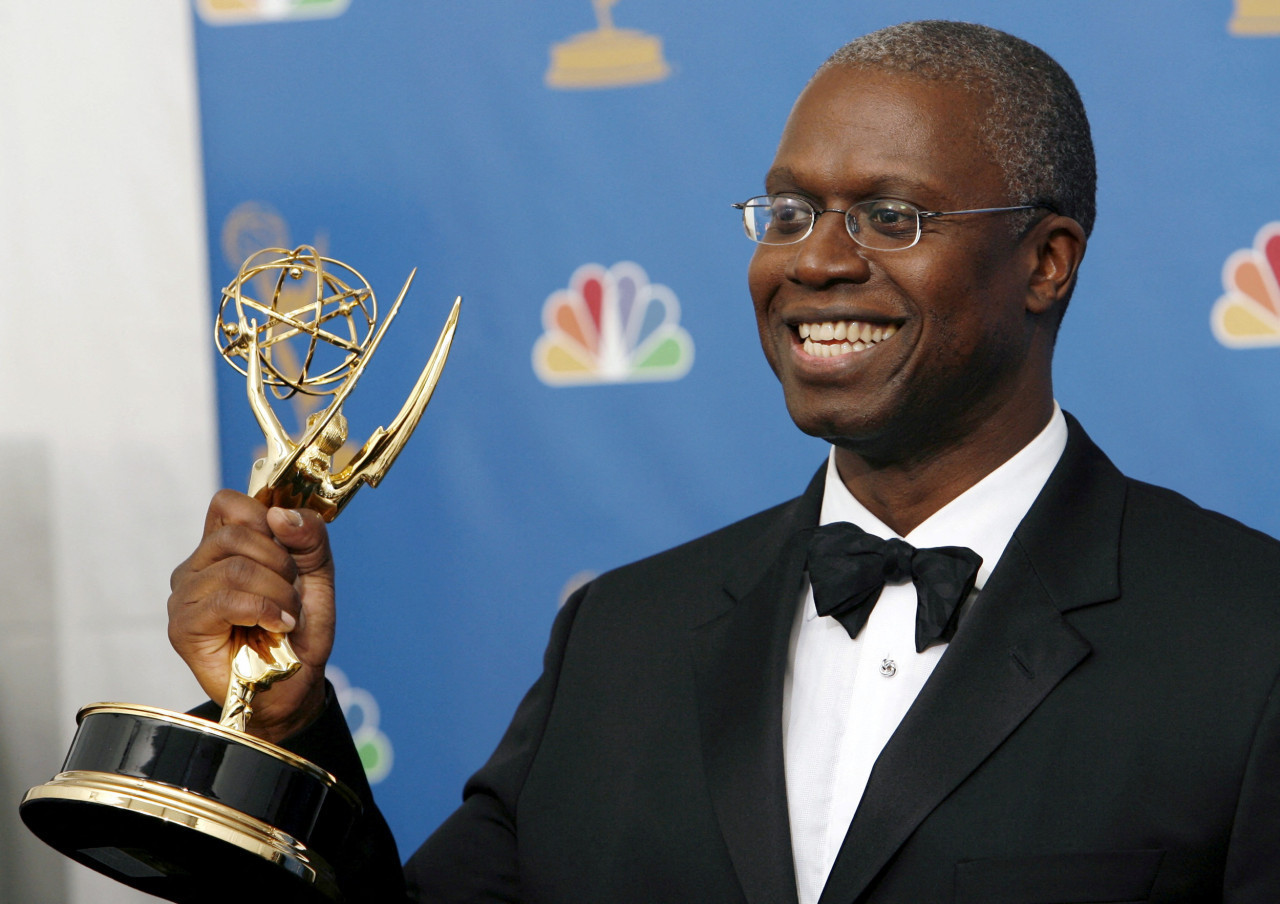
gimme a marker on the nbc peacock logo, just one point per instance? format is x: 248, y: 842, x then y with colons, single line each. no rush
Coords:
x: 360, y: 709
x: 611, y: 325
x: 247, y: 12
x: 1248, y: 314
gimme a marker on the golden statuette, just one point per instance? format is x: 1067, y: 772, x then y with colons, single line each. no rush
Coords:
x: 173, y: 804
x: 314, y: 336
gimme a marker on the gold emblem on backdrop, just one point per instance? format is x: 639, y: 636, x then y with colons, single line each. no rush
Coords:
x: 1255, y: 18
x: 608, y: 57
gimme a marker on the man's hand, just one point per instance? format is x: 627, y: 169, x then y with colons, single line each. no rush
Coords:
x: 264, y: 567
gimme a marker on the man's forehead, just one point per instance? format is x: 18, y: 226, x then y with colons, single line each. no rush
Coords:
x: 866, y: 130
x: 890, y: 84
x: 863, y: 104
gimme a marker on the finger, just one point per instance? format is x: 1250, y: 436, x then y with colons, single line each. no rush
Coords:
x: 230, y: 507
x: 232, y: 541
x: 208, y: 629
x: 249, y: 536
x: 234, y: 591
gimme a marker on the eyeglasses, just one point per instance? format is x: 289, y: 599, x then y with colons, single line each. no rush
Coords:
x: 881, y: 224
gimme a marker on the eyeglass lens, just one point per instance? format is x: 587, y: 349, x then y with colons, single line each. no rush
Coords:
x: 785, y: 219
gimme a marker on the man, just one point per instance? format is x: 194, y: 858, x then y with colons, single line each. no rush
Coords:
x: 1098, y: 720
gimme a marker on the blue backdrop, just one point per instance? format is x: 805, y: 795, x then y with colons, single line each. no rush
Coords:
x: 606, y: 396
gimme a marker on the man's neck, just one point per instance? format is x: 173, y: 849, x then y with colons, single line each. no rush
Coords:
x: 905, y: 491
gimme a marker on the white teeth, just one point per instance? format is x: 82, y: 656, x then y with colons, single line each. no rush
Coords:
x: 820, y: 349
x: 833, y: 338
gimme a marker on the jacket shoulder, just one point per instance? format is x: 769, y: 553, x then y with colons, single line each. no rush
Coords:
x: 1170, y: 512
x: 1191, y: 550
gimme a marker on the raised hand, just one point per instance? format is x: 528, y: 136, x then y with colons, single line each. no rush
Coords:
x: 269, y: 568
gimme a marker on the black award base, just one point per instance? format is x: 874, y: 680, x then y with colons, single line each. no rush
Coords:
x: 192, y: 812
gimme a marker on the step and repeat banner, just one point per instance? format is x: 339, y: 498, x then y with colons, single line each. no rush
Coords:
x: 568, y: 168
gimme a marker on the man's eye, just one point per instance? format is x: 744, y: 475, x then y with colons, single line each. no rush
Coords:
x: 890, y: 217
x: 789, y: 216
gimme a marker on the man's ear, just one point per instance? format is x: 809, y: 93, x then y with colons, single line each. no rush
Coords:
x: 1058, y: 245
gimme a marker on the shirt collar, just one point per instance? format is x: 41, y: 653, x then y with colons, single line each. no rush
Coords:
x: 983, y: 517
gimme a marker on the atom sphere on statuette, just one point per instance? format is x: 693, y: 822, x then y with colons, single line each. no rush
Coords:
x: 314, y: 318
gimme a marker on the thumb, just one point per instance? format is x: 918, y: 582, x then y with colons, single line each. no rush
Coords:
x: 303, y: 533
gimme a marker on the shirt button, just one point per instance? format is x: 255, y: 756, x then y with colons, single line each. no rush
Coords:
x: 888, y: 668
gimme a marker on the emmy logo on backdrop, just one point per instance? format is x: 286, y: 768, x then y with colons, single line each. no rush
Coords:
x: 175, y: 805
x: 608, y: 57
x: 1255, y: 17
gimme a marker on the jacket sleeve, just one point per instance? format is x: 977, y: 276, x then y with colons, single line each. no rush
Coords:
x: 367, y: 864
x: 472, y: 856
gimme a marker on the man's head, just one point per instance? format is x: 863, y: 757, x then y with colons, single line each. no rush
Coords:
x: 1035, y: 124
x: 954, y: 334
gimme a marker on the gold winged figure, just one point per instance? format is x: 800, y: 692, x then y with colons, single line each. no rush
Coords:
x: 299, y: 473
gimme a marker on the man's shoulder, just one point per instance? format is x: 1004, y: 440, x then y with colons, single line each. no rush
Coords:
x: 1090, y: 501
x: 1161, y: 519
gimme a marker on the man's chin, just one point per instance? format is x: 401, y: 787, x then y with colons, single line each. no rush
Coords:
x: 838, y: 427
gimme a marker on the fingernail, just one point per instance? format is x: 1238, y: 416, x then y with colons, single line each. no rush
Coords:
x: 294, y: 517
x: 289, y: 621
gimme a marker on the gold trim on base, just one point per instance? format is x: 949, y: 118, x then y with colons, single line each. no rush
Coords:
x: 200, y: 814
x: 213, y: 728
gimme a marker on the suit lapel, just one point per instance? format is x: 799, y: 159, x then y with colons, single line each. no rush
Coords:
x: 740, y: 658
x: 1009, y: 653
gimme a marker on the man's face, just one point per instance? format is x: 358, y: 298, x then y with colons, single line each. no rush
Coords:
x: 955, y: 340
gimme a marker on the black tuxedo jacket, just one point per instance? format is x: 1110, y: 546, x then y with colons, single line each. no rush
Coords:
x: 1105, y: 726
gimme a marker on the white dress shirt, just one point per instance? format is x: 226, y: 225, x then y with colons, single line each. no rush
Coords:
x: 843, y: 697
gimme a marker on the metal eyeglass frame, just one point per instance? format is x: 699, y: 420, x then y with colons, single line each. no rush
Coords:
x: 850, y: 225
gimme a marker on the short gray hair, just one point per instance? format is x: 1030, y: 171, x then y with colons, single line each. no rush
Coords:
x: 1037, y: 128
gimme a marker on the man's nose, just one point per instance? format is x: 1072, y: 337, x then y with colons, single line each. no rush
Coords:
x: 828, y: 254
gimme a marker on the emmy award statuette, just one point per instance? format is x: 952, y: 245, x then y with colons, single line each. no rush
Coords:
x: 172, y: 804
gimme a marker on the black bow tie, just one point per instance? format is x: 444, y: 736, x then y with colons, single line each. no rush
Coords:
x: 848, y: 568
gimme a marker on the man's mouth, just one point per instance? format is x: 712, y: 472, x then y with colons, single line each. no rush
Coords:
x: 842, y: 337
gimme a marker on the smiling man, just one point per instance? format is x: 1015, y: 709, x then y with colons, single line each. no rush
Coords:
x: 922, y: 244
x: 972, y: 662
